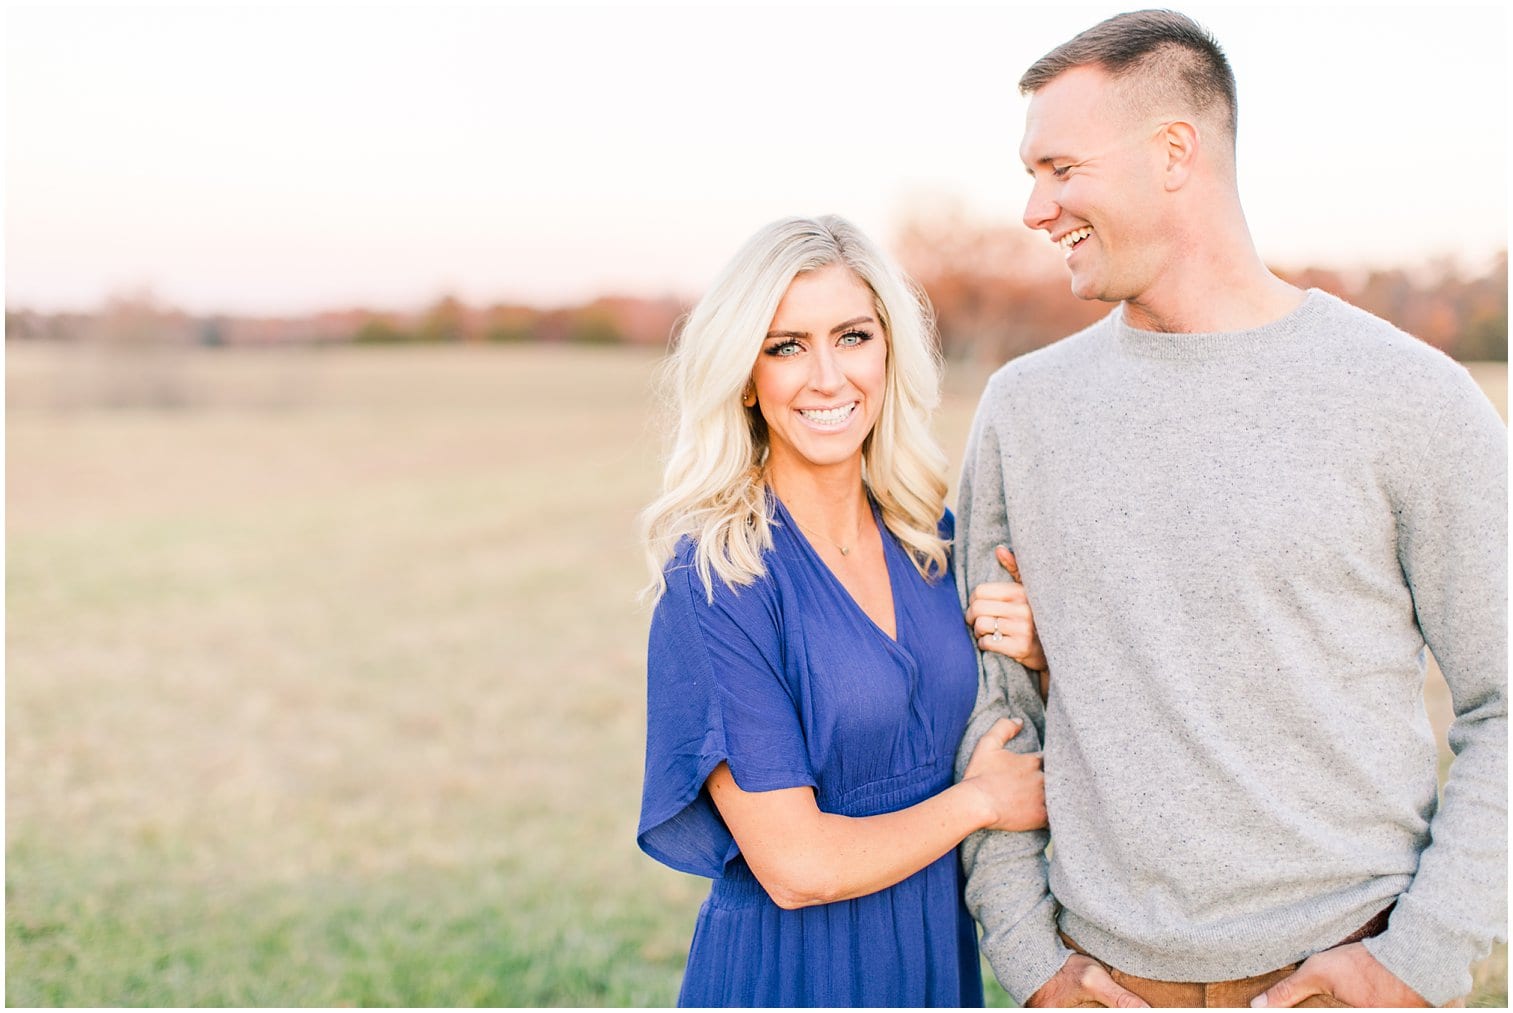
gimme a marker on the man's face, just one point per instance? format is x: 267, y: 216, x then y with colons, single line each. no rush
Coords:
x: 1098, y: 185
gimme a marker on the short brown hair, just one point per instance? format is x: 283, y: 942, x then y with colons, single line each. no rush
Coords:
x: 1176, y: 57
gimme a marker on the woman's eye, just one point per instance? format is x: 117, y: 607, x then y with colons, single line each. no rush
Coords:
x: 784, y: 349
x: 851, y: 338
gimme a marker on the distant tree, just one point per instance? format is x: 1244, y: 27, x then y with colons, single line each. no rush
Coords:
x: 447, y: 320
x: 510, y: 324
x: 21, y: 325
x: 378, y: 331
x: 506, y: 334
x: 139, y: 345
x: 1464, y: 317
x: 639, y: 321
x: 1485, y: 338
x: 1484, y: 329
x: 997, y: 290
x: 593, y: 327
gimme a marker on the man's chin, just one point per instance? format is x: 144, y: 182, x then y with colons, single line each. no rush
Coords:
x: 1091, y: 291
x: 1088, y: 292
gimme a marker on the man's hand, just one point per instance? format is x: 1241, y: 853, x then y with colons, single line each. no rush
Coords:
x: 1082, y: 980
x: 1348, y: 973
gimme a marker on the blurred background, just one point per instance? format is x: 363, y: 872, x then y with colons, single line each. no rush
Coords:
x: 330, y: 344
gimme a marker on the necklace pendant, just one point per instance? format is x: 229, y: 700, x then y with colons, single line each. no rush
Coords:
x: 844, y: 551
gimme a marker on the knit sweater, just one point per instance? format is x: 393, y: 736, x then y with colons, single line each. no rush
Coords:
x: 1237, y: 546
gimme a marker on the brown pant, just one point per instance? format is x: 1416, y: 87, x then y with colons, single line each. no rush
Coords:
x: 1236, y: 993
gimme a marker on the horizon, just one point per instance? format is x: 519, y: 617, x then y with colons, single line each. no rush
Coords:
x: 1425, y: 272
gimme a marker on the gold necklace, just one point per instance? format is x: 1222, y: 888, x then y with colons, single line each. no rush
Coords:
x: 845, y: 549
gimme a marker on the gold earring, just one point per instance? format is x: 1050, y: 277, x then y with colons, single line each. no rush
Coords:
x: 748, y: 396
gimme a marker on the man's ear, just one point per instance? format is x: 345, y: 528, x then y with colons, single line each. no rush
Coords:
x: 1181, y: 140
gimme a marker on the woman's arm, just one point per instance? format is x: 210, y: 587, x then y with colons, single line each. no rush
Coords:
x: 803, y: 856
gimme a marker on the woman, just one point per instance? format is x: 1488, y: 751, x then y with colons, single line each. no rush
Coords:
x: 809, y: 673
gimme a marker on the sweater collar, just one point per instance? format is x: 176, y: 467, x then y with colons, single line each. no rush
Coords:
x: 1220, y: 344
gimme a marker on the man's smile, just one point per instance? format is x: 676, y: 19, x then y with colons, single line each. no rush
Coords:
x: 1069, y: 241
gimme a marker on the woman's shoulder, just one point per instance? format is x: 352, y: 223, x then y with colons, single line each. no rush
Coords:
x: 701, y: 615
x: 702, y: 588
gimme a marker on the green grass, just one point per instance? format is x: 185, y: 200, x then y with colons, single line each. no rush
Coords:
x: 490, y: 935
x: 325, y: 687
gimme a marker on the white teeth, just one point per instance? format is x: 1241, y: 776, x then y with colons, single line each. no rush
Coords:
x: 1074, y: 237
x: 828, y: 416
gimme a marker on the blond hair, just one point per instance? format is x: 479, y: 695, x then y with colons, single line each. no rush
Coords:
x: 712, y: 487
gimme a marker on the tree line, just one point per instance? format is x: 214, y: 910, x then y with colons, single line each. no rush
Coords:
x: 997, y: 290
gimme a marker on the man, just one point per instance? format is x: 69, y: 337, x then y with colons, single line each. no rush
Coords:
x: 1241, y: 510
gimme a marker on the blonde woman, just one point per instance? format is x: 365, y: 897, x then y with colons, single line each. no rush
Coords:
x: 809, y: 671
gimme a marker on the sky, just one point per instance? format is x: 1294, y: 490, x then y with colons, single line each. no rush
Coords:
x: 279, y: 159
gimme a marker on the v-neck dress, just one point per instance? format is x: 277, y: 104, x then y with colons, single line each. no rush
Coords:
x: 791, y: 683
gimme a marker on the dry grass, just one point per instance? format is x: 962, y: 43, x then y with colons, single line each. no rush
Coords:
x: 323, y: 687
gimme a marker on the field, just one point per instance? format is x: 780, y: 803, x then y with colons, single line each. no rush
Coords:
x: 325, y: 680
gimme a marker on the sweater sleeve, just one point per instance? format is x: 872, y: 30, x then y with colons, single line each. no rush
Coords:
x: 1007, y: 890
x: 1452, y: 537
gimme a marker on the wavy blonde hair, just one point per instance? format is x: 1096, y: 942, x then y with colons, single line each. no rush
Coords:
x: 712, y: 487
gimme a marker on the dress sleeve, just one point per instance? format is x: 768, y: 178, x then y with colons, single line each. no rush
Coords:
x: 716, y: 691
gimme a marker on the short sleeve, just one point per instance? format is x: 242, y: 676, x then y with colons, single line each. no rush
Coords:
x: 716, y: 691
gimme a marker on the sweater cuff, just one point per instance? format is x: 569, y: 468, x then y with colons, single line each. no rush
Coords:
x: 1031, y: 955
x: 1427, y: 956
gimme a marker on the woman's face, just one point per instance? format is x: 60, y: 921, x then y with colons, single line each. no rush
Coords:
x: 821, y: 373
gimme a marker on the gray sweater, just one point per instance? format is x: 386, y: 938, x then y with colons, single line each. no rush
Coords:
x: 1237, y: 546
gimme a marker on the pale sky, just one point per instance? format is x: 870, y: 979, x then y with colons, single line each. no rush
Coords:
x: 284, y: 160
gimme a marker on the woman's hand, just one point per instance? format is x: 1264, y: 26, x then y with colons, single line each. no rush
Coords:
x: 1012, y: 783
x: 1001, y: 620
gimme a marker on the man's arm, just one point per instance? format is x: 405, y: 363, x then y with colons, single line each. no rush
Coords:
x: 1452, y: 538
x: 1006, y: 872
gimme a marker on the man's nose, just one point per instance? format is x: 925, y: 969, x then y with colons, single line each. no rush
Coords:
x: 1040, y: 211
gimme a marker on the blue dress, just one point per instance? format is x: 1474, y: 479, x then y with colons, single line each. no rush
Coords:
x: 792, y: 684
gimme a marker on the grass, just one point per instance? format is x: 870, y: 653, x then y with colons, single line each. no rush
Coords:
x: 323, y: 685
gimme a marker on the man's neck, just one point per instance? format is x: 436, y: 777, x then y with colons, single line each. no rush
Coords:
x: 1207, y: 305
x: 1217, y: 284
